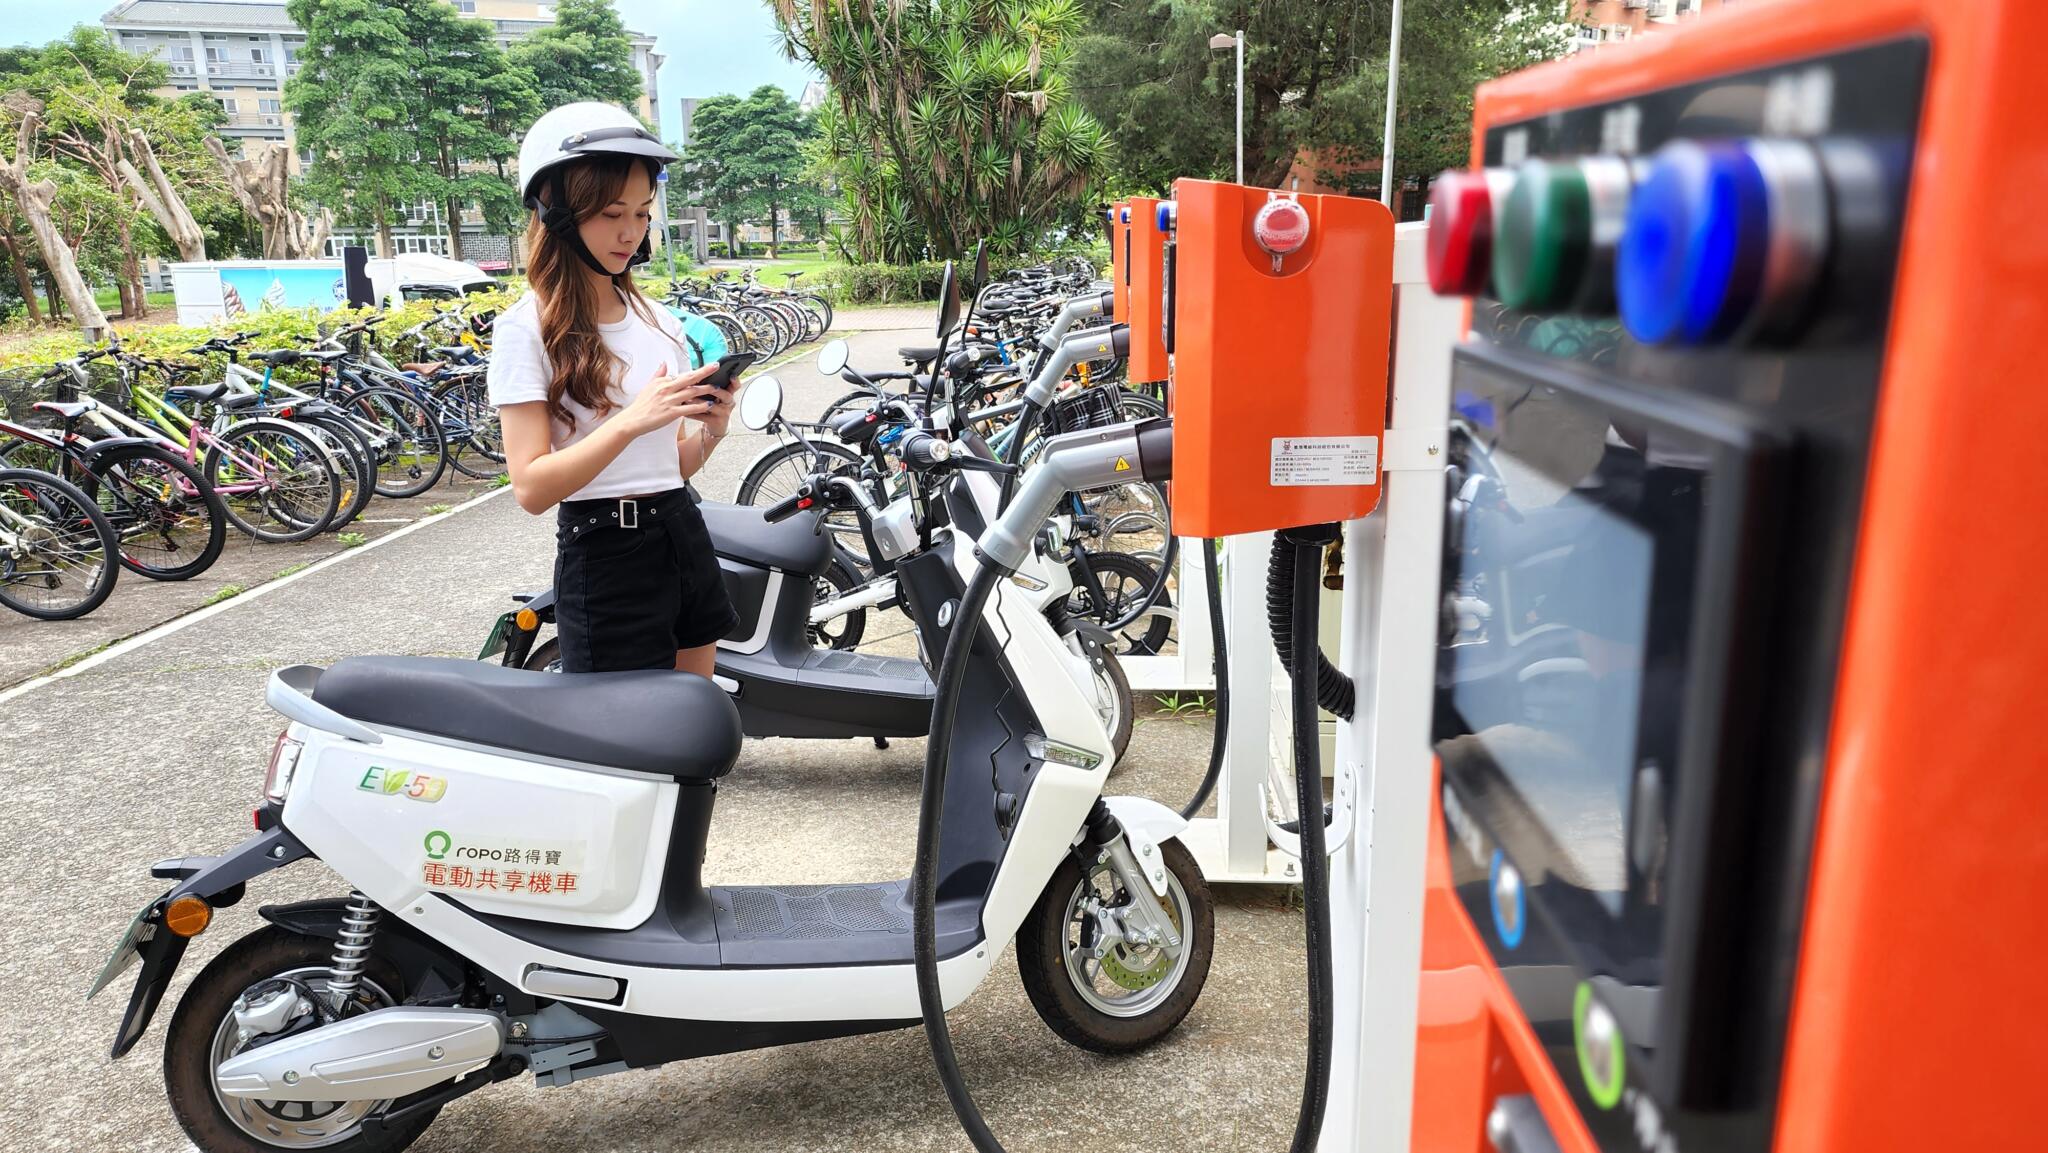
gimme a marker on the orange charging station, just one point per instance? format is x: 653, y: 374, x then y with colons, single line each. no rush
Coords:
x: 1119, y: 219
x: 1279, y: 390
x: 1738, y: 837
x: 1142, y: 273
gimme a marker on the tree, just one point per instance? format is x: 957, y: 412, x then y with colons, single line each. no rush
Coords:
x: 353, y: 102
x: 1315, y: 83
x: 465, y: 89
x: 404, y: 101
x: 952, y: 120
x: 746, y: 158
x: 585, y: 55
x: 33, y: 197
x: 262, y: 184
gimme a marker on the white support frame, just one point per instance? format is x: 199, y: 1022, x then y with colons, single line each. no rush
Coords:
x: 1189, y: 667
x: 1391, y: 593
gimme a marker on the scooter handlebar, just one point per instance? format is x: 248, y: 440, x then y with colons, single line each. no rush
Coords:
x: 790, y: 505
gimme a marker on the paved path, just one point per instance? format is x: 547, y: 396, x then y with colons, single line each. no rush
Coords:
x: 159, y: 752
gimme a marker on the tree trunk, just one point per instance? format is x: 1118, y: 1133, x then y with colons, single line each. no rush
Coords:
x: 134, y: 304
x: 454, y: 210
x: 774, y: 216
x: 385, y: 248
x: 162, y: 199
x: 24, y: 283
x: 33, y: 201
x: 51, y: 301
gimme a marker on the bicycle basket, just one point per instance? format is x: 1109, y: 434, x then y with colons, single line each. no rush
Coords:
x: 22, y: 387
x: 1082, y: 408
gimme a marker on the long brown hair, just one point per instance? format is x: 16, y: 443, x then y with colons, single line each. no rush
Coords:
x: 584, y: 369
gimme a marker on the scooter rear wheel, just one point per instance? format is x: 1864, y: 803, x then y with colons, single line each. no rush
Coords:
x: 1131, y: 997
x: 206, y: 1015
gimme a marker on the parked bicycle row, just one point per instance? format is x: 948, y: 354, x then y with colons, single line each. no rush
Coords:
x: 751, y: 316
x: 117, y: 460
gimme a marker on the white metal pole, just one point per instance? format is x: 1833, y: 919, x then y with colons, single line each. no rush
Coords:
x: 1240, y: 104
x: 1393, y: 89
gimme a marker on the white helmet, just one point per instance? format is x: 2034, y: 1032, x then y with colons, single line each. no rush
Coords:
x: 576, y: 131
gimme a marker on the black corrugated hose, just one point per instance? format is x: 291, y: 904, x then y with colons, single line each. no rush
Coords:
x: 1334, y: 691
x: 1306, y: 547
x: 1222, y: 654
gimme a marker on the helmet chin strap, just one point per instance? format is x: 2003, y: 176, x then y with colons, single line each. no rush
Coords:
x: 560, y: 221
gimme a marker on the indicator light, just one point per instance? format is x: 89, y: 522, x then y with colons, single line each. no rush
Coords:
x: 187, y: 916
x: 526, y: 619
x: 1123, y: 215
x: 1281, y: 226
x: 1693, y: 252
x: 1545, y: 233
x: 1167, y: 215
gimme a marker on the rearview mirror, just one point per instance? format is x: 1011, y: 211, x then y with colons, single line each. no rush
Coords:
x: 761, y: 401
x: 832, y: 358
x: 949, y: 300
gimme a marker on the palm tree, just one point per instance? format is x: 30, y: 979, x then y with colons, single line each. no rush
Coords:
x: 953, y: 120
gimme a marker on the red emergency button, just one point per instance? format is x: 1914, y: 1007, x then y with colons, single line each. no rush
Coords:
x: 1462, y: 211
x: 1281, y: 226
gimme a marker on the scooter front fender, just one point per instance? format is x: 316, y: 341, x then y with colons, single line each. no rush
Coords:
x: 1147, y: 824
x: 219, y: 881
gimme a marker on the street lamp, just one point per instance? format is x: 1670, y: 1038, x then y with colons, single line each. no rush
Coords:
x: 1225, y: 40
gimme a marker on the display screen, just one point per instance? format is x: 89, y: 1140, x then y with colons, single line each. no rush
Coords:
x: 1574, y: 538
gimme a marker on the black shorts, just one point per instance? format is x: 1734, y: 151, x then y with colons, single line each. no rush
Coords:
x: 629, y: 597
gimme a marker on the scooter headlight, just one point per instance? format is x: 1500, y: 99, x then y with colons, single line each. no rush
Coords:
x: 284, y: 758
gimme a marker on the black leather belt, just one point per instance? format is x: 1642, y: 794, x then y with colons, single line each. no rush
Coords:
x: 625, y: 512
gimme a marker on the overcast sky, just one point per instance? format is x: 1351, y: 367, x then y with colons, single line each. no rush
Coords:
x: 713, y: 46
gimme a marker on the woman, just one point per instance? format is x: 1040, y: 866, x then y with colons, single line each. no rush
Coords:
x: 599, y: 419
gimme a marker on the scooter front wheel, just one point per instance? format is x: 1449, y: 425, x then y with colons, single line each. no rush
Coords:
x: 269, y: 963
x: 1130, y: 995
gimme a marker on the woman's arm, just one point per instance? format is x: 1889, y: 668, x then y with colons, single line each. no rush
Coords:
x: 712, y: 409
x: 543, y: 476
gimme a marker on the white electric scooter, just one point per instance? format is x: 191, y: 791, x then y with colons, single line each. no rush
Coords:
x: 525, y: 852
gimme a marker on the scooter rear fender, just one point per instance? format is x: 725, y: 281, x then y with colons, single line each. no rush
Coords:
x: 219, y: 881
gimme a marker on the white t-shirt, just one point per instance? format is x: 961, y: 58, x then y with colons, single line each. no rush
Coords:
x: 520, y: 372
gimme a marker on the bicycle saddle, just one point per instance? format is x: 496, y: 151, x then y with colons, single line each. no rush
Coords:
x: 68, y: 409
x: 203, y: 393
x: 278, y: 357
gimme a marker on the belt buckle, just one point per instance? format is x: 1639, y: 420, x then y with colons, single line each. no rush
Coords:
x: 629, y: 513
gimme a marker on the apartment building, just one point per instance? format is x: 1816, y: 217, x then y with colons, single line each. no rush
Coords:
x: 1610, y: 21
x: 240, y: 51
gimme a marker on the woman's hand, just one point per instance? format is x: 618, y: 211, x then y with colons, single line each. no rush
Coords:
x: 710, y: 405
x: 664, y: 399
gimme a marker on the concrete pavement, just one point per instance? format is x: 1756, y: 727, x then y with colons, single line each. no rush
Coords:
x: 159, y: 752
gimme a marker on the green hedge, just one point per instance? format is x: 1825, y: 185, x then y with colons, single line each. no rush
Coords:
x: 912, y: 283
x: 274, y: 328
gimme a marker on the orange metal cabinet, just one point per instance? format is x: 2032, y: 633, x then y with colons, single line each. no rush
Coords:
x: 1145, y: 244
x: 1120, y: 260
x: 1917, y: 868
x: 1279, y: 392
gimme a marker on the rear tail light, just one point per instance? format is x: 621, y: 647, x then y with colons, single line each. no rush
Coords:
x: 284, y: 759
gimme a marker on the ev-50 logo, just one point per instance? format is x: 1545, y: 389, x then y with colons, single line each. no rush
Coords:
x: 404, y: 783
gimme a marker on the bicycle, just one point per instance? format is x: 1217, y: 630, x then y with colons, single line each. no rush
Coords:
x: 53, y: 542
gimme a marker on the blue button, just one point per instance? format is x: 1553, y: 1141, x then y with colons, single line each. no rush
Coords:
x: 1123, y: 216
x: 1692, y: 254
x: 1165, y: 215
x: 1510, y: 903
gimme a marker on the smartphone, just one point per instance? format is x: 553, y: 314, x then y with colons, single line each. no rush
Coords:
x: 729, y: 369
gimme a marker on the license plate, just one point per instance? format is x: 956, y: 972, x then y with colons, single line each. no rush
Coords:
x: 495, y: 643
x: 124, y: 954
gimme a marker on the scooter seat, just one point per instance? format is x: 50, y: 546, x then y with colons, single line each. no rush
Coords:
x: 651, y: 721
x: 740, y: 532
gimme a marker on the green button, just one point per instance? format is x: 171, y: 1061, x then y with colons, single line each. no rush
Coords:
x: 1545, y: 232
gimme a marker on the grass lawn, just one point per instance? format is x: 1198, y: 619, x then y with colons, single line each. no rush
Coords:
x: 110, y: 300
x: 796, y: 258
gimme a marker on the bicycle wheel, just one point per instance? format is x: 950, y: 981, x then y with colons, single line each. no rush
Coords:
x: 170, y: 523
x: 729, y: 326
x: 792, y: 320
x: 412, y: 453
x: 57, y: 551
x: 819, y: 306
x: 779, y: 472
x: 843, y: 631
x: 352, y: 451
x: 279, y: 483
x: 469, y: 423
x: 813, y: 323
x: 1125, y: 580
x: 763, y: 334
